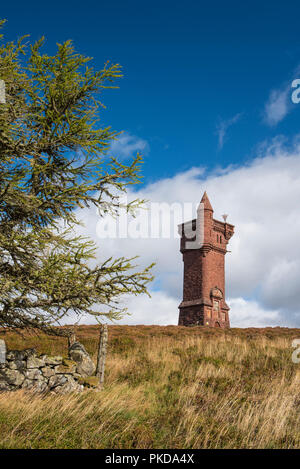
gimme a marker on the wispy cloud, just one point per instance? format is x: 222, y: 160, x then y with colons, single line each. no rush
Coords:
x: 223, y: 126
x: 278, y: 105
x: 127, y: 145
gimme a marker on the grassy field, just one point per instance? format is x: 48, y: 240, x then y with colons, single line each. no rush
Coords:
x: 167, y: 387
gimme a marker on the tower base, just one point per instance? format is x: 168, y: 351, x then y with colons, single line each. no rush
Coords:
x: 202, y: 315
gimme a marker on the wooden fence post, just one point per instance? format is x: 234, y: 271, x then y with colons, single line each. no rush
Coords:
x: 102, y: 354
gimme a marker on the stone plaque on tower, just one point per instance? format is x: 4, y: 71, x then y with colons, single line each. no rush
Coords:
x: 204, y: 269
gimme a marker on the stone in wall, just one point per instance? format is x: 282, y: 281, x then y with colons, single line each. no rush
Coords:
x: 63, y: 384
x: 85, y: 366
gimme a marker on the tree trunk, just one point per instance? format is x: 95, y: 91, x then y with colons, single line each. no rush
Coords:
x: 102, y: 354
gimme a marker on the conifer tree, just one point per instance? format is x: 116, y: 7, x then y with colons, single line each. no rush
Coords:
x: 53, y: 160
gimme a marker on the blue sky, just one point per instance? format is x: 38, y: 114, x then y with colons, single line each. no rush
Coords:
x: 189, y: 68
x: 206, y: 85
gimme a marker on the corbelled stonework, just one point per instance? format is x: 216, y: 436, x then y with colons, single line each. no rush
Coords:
x: 203, y: 246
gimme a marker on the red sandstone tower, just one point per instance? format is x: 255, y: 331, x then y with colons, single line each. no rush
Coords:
x: 203, y: 247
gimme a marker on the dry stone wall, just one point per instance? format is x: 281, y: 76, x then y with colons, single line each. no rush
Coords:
x: 25, y: 369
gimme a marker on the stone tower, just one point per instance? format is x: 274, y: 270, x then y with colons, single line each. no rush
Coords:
x: 203, y: 246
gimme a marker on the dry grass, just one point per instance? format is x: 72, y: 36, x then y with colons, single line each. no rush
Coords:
x: 167, y: 387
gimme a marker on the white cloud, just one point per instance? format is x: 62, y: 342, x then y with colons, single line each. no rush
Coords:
x: 251, y: 314
x: 278, y: 105
x: 127, y: 145
x: 263, y: 268
x: 222, y: 128
x: 159, y: 309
